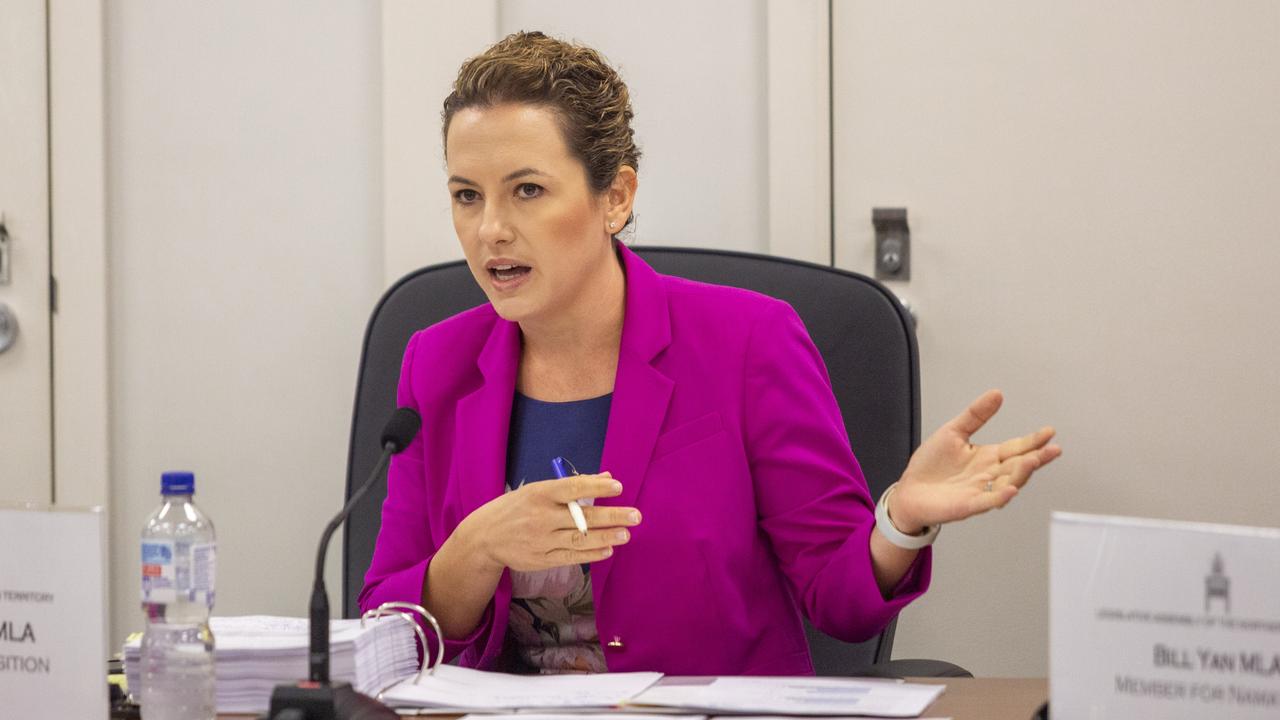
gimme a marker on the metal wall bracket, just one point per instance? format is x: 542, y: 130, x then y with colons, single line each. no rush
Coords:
x: 893, y: 243
x: 5, y: 270
x: 8, y: 328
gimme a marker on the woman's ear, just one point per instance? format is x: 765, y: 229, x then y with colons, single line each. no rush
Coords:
x: 619, y: 199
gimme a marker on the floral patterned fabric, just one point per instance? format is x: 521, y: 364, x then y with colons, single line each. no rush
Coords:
x: 551, y: 625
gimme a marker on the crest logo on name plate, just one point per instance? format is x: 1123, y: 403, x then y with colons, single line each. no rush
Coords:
x: 1217, y: 586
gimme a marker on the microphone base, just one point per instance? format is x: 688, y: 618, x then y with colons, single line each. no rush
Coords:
x: 316, y: 701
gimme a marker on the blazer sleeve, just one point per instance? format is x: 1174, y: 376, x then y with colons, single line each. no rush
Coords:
x: 405, y: 543
x: 811, y: 496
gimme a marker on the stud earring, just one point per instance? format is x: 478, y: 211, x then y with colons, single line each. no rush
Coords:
x: 612, y: 224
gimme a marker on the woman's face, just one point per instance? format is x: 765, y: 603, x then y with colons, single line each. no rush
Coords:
x: 533, y: 232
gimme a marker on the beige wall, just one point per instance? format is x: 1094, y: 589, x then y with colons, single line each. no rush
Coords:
x: 422, y: 46
x: 1094, y: 198
x: 243, y: 196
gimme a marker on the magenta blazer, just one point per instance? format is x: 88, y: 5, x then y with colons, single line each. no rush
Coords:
x: 723, y: 431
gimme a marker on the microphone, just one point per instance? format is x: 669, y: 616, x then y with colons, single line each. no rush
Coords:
x: 317, y: 698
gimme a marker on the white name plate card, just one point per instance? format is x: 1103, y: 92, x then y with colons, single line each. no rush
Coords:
x: 53, y: 613
x: 1162, y: 619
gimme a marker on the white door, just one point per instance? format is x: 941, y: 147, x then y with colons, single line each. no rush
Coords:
x: 25, y: 434
x: 1092, y: 195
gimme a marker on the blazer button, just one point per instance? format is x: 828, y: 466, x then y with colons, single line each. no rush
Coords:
x: 615, y: 644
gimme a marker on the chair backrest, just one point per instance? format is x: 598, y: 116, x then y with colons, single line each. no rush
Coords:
x: 865, y: 336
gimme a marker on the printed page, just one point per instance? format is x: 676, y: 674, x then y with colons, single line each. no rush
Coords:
x: 796, y: 696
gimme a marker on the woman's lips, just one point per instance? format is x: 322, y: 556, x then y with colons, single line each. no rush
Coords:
x: 509, y: 277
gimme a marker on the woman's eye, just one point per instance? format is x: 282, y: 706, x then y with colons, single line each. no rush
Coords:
x: 529, y: 190
x: 466, y: 195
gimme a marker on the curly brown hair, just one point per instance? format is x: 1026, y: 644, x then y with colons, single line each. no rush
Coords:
x: 588, y: 96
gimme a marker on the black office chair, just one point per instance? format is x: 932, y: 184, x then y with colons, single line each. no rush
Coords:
x: 864, y: 334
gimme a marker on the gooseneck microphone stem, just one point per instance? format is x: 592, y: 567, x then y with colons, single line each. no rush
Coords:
x: 319, y: 656
x: 317, y: 698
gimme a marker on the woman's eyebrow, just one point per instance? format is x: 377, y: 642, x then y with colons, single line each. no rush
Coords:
x: 522, y: 172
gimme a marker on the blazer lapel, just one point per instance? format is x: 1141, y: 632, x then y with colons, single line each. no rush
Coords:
x: 483, y: 421
x: 641, y: 393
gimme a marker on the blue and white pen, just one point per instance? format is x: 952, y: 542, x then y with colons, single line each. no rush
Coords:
x: 579, y: 519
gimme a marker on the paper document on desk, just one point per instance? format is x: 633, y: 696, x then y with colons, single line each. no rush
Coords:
x: 795, y: 696
x: 476, y: 690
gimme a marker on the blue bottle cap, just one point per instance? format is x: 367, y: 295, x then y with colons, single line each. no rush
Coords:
x: 178, y: 483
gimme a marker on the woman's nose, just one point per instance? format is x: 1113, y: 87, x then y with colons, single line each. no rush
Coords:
x: 494, y: 227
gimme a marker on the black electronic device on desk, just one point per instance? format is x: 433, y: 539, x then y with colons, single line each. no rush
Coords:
x: 317, y: 698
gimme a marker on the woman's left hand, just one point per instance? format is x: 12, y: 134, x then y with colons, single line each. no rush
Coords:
x: 949, y: 478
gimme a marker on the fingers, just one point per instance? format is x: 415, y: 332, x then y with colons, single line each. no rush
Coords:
x: 549, y: 538
x: 1049, y: 454
x: 607, y: 517
x: 559, y: 557
x: 572, y: 547
x: 978, y: 413
x: 1018, y: 469
x: 997, y: 497
x: 1014, y: 471
x: 1024, y: 444
x: 571, y: 539
x: 1006, y: 481
x: 596, y: 517
x: 579, y: 487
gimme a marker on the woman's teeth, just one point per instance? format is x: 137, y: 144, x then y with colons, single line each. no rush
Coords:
x: 508, y: 272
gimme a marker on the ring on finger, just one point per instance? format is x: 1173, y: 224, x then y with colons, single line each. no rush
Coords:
x: 989, y: 486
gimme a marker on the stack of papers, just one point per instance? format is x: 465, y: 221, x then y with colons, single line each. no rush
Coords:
x: 253, y: 654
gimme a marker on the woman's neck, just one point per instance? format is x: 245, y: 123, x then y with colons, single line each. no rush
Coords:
x: 581, y: 341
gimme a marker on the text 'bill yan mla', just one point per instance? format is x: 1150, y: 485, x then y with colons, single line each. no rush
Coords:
x: 1204, y: 659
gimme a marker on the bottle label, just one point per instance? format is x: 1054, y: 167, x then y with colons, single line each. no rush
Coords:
x: 180, y: 570
x: 158, y: 572
x: 204, y: 564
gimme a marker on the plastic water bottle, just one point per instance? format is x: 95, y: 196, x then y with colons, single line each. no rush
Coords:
x: 178, y: 562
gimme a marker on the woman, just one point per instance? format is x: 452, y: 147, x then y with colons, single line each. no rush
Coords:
x: 700, y: 417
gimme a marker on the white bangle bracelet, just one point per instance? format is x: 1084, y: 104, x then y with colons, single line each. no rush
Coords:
x: 896, y: 536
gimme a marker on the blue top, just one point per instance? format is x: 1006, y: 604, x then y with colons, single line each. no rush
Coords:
x: 551, y: 622
x: 542, y: 430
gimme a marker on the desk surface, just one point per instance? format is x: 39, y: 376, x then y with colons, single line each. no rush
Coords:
x: 994, y: 698
x: 965, y: 699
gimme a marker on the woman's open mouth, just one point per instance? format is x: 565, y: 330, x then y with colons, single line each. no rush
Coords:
x: 507, y: 277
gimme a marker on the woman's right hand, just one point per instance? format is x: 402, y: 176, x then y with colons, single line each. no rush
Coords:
x: 530, y: 528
